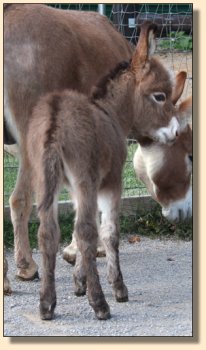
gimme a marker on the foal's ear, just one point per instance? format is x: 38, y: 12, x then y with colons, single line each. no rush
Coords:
x: 145, y: 46
x: 179, y: 86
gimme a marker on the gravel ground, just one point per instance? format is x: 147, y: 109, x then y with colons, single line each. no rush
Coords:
x: 158, y: 274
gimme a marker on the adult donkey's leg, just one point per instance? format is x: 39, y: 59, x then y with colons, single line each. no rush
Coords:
x: 86, y: 236
x: 21, y: 205
x: 70, y: 251
x: 109, y: 205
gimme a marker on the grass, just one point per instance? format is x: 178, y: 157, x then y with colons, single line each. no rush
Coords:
x: 66, y: 228
x: 150, y: 224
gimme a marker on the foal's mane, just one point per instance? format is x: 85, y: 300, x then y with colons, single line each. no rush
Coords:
x: 100, y: 90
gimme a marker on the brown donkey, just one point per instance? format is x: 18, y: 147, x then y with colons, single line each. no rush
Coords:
x: 47, y: 49
x: 81, y: 142
x: 166, y: 170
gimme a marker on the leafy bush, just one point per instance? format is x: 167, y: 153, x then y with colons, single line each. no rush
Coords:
x: 177, y: 41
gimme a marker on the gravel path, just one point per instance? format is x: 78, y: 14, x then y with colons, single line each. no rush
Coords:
x: 158, y: 275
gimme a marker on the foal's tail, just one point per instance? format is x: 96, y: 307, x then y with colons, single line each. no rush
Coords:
x: 53, y: 171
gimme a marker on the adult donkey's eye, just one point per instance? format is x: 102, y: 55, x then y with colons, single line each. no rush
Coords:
x: 159, y: 97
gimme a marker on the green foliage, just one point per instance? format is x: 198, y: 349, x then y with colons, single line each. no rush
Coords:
x: 177, y: 41
x: 153, y: 225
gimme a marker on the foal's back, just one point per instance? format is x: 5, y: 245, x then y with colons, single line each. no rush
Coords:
x: 87, y: 139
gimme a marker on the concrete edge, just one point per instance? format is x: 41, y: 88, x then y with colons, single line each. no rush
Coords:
x: 130, y: 206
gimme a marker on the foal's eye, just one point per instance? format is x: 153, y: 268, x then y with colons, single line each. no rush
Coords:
x: 159, y: 97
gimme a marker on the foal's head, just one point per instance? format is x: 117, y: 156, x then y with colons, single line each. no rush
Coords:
x: 156, y: 92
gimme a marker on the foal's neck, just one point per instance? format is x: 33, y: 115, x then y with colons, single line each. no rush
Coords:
x: 118, y: 100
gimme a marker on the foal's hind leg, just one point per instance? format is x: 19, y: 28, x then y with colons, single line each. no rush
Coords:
x: 48, y: 236
x: 86, y: 236
x: 7, y: 288
x: 109, y: 205
x: 70, y: 252
x: 21, y: 205
x: 80, y: 280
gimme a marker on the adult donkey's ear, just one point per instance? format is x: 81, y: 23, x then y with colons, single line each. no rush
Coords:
x: 146, y: 45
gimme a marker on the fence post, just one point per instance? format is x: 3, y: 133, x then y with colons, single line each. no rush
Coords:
x: 102, y: 9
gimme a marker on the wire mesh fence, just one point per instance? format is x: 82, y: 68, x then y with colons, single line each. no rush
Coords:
x: 131, y: 186
x: 175, y: 29
x: 174, y: 46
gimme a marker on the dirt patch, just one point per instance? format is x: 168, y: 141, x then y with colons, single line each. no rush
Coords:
x: 158, y: 274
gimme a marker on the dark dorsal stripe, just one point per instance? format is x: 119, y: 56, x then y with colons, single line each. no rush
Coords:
x: 54, y: 108
x: 100, y: 89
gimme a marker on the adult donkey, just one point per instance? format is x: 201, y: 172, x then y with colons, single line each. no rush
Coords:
x: 47, y: 49
x: 166, y: 170
x: 80, y: 142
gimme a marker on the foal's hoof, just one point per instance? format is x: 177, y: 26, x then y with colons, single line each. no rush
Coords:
x: 123, y: 299
x: 80, y: 292
x: 103, y: 313
x: 47, y: 312
x: 121, y: 295
x: 7, y: 288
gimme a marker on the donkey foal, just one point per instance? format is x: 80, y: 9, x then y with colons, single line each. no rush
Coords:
x: 80, y: 141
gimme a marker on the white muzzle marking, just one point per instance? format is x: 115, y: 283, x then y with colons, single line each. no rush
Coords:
x: 179, y: 210
x: 169, y: 133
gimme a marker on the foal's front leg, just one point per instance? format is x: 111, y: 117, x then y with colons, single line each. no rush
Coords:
x: 86, y: 270
x: 109, y: 232
x: 7, y: 288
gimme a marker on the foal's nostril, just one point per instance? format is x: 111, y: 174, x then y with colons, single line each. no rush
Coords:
x: 177, y: 134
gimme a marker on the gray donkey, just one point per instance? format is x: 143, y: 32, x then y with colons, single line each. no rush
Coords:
x: 80, y: 141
